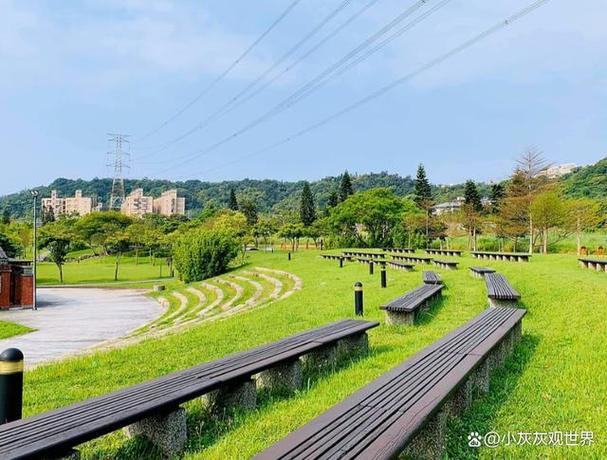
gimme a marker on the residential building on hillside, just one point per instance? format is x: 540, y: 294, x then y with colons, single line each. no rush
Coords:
x: 169, y: 203
x: 455, y: 205
x: 76, y: 205
x: 136, y: 204
x: 552, y: 172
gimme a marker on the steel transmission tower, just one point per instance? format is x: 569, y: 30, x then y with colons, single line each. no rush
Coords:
x: 118, y: 160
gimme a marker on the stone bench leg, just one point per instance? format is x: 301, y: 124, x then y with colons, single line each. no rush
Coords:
x: 352, y: 346
x: 70, y: 454
x: 429, y: 443
x: 286, y: 378
x: 237, y: 396
x: 325, y: 358
x: 399, y: 318
x: 167, y: 431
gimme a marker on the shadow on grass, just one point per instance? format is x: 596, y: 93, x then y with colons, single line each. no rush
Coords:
x: 481, y: 416
x: 205, y: 430
x: 428, y: 315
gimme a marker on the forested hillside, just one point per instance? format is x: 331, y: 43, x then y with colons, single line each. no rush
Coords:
x: 588, y: 181
x: 266, y: 194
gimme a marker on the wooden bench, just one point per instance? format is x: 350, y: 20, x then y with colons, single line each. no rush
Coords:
x: 406, y: 409
x: 429, y: 277
x: 500, y: 291
x: 368, y: 255
x: 152, y: 408
x: 412, y: 259
x: 401, y: 266
x: 508, y: 256
x: 444, y: 252
x: 447, y: 264
x: 401, y: 250
x: 333, y: 257
x: 480, y: 272
x: 404, y: 309
x: 594, y: 264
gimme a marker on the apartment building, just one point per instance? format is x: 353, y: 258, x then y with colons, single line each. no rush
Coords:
x: 169, y: 203
x: 137, y: 204
x: 76, y: 205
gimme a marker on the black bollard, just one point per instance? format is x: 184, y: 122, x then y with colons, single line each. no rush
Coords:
x: 11, y: 385
x: 383, y: 274
x: 289, y: 255
x: 371, y: 266
x: 341, y: 262
x: 358, y: 298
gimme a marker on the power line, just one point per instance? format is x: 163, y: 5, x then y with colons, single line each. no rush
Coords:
x: 399, y: 81
x: 299, y: 94
x: 221, y: 110
x: 118, y: 160
x: 224, y: 73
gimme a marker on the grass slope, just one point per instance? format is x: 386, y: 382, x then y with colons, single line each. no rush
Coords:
x: 554, y: 382
x: 8, y: 329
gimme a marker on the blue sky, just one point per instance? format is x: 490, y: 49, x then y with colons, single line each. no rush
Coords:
x: 74, y: 71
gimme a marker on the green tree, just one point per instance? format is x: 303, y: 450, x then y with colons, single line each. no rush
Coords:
x: 232, y: 201
x: 471, y: 196
x: 10, y: 245
x: 96, y: 229
x: 292, y: 232
x: 422, y: 192
x: 583, y: 214
x: 498, y: 192
x: 345, y: 187
x: 57, y: 238
x: 48, y: 215
x: 249, y: 209
x: 6, y: 216
x: 548, y: 211
x: 307, y: 209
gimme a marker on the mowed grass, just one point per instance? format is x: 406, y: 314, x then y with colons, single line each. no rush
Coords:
x: 8, y: 329
x: 100, y: 270
x: 555, y: 380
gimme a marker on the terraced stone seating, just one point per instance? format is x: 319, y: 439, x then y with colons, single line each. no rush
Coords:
x: 500, y: 291
x: 152, y: 409
x: 401, y: 250
x: 444, y: 252
x: 447, y: 264
x: 594, y: 264
x: 480, y: 272
x: 509, y: 256
x: 404, y: 309
x: 412, y: 259
x: 405, y: 411
x: 429, y: 277
x: 401, y: 266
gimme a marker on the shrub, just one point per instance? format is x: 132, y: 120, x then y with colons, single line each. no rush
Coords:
x: 203, y: 253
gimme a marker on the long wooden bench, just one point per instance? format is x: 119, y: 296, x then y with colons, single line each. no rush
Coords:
x: 500, y: 291
x: 447, y: 264
x: 406, y: 410
x: 429, y: 277
x: 412, y: 259
x: 444, y: 252
x: 404, y: 309
x: 508, y: 256
x: 334, y: 257
x: 480, y: 272
x: 368, y: 255
x: 401, y: 266
x: 401, y: 250
x: 152, y: 408
x: 600, y: 265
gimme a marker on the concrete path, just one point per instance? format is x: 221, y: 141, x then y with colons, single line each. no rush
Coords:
x: 70, y: 320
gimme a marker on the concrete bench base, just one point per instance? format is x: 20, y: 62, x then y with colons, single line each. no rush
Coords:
x: 351, y: 346
x: 167, y: 431
x: 325, y: 358
x: 493, y: 303
x: 286, y: 378
x: 239, y: 396
x: 399, y: 318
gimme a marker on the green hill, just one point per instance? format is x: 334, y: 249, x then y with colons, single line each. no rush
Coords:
x: 588, y: 181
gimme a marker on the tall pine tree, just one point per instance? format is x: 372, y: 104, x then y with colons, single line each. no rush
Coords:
x: 498, y: 192
x: 471, y: 196
x: 307, y: 210
x: 345, y: 187
x: 233, y: 202
x: 422, y: 191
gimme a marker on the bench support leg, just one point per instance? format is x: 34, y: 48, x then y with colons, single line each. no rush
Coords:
x: 352, y: 346
x: 325, y: 358
x: 166, y: 431
x: 429, y: 443
x: 237, y: 396
x: 495, y: 303
x: 399, y: 318
x: 285, y: 378
x: 71, y: 454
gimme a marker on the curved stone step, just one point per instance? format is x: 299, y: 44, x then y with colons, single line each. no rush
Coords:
x: 239, y: 293
x: 278, y: 286
x: 219, y: 296
x: 251, y: 301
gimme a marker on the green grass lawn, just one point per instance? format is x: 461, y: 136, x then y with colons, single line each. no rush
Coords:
x: 555, y: 380
x: 8, y: 329
x: 101, y: 270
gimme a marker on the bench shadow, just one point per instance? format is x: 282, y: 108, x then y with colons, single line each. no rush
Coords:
x: 427, y: 315
x: 205, y: 430
x: 481, y: 416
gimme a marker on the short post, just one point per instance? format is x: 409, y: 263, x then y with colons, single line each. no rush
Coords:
x: 11, y: 385
x: 289, y: 256
x: 341, y: 262
x: 371, y: 264
x: 383, y: 274
x: 358, y: 298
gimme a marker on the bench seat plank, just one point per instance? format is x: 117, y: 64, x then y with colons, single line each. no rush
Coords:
x: 412, y: 300
x: 499, y: 288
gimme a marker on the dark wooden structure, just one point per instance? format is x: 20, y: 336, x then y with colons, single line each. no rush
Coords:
x: 500, y: 291
x: 406, y: 409
x: 404, y: 309
x: 444, y: 252
x: 480, y: 272
x: 430, y: 277
x: 507, y: 256
x: 412, y: 259
x: 446, y: 264
x: 401, y: 266
x: 600, y: 265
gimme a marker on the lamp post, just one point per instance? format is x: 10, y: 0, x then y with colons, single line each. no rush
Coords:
x: 35, y: 251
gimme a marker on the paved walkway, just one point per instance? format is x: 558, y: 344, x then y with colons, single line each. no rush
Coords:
x: 70, y: 320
